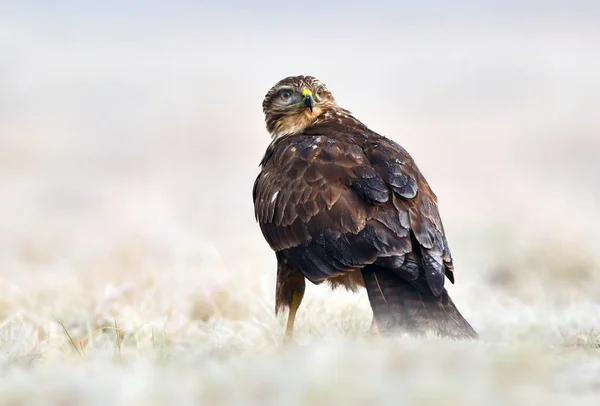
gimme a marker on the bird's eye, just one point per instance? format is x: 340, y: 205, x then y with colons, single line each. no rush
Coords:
x: 320, y: 92
x: 285, y: 95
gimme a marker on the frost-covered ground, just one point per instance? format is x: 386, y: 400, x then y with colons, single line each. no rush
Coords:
x: 99, y: 313
x: 131, y: 268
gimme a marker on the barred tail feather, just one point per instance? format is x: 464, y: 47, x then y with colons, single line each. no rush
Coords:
x: 399, y: 306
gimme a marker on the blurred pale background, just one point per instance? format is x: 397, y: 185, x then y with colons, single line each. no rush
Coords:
x: 130, y: 137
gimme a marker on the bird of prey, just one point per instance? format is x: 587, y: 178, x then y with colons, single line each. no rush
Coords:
x: 338, y: 202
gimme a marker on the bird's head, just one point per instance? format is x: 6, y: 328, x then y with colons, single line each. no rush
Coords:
x: 294, y: 103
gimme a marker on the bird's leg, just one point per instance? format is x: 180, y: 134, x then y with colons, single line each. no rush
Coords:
x: 294, y: 305
x: 288, y: 293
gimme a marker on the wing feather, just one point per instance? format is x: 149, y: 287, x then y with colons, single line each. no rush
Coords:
x: 330, y: 204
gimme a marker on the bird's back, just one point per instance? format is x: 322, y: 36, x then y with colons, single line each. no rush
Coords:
x: 339, y: 197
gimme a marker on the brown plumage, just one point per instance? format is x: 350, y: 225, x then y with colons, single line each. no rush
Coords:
x: 340, y: 203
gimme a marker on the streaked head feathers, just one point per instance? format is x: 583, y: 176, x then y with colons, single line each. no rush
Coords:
x: 294, y: 103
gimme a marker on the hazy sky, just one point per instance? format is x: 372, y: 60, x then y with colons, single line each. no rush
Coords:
x: 88, y: 80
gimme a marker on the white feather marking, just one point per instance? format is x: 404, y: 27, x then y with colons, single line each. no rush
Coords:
x: 274, y: 196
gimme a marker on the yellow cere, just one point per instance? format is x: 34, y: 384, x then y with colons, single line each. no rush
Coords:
x: 306, y: 92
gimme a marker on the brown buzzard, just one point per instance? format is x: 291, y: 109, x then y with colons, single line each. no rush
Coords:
x: 340, y: 203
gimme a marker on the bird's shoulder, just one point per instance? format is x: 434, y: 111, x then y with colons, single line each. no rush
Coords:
x: 392, y: 162
x: 306, y: 173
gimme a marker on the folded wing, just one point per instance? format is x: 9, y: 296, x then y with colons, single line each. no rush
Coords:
x: 335, y: 204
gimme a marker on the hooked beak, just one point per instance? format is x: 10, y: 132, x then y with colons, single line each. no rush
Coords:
x: 308, y: 99
x: 309, y: 102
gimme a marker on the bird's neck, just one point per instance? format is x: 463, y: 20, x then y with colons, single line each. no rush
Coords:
x: 298, y: 123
